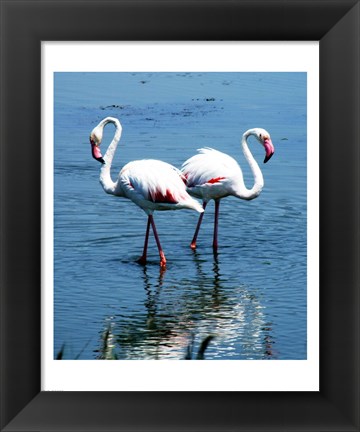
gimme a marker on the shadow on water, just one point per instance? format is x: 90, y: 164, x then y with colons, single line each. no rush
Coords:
x: 183, y: 317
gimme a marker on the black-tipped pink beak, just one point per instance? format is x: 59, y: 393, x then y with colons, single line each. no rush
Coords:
x: 96, y: 153
x: 269, y: 149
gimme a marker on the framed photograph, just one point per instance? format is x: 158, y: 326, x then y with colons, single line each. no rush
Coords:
x: 268, y: 297
x: 164, y: 311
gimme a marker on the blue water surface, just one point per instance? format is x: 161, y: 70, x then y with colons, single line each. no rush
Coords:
x: 251, y: 296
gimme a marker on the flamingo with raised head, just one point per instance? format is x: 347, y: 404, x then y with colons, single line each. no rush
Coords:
x: 150, y: 184
x: 211, y: 174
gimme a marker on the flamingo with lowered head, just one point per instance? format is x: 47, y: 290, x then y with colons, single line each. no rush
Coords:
x: 150, y: 184
x: 211, y: 174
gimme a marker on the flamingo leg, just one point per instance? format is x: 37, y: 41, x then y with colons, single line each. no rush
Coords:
x: 193, y: 242
x: 142, y: 259
x: 216, y: 224
x: 161, y: 253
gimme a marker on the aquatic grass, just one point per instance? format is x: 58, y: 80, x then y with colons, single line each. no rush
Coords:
x: 60, y: 354
x: 107, y: 351
x: 201, y: 351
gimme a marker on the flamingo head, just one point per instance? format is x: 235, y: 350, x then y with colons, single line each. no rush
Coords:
x: 264, y: 138
x: 95, y: 141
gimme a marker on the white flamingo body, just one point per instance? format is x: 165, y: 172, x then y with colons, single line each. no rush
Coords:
x: 205, y: 174
x: 211, y: 174
x: 154, y: 185
x: 150, y: 184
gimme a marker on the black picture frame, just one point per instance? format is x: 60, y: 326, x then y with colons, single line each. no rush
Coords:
x: 24, y: 24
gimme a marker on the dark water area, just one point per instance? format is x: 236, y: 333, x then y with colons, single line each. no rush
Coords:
x: 251, y: 296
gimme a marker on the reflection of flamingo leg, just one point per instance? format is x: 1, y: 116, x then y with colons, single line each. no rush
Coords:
x: 216, y: 223
x: 161, y: 253
x: 193, y: 242
x: 142, y: 259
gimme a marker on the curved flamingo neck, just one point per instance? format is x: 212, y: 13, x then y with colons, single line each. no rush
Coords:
x: 252, y: 193
x: 107, y: 183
